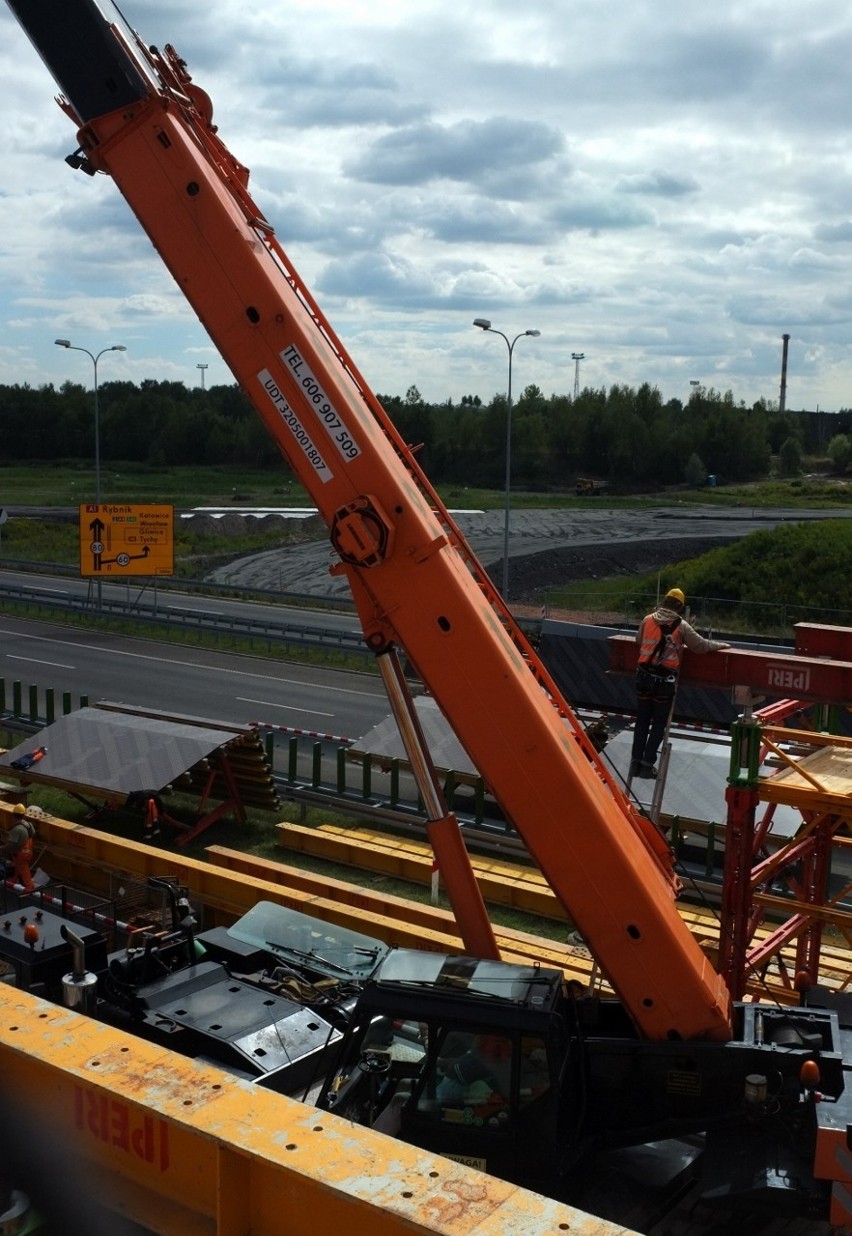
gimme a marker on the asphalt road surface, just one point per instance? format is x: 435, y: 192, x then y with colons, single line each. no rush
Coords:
x: 187, y: 681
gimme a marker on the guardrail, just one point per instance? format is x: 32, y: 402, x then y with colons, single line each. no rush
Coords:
x: 321, y: 771
x: 266, y: 631
x: 203, y: 587
x: 307, y: 769
x: 329, y: 772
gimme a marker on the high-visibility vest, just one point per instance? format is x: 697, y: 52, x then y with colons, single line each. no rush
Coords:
x: 661, y: 645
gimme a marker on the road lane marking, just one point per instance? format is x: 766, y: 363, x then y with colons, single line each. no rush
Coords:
x: 36, y: 661
x: 242, y: 699
x: 185, y: 609
x: 141, y: 656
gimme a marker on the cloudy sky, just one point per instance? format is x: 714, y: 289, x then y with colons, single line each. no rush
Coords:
x: 666, y: 188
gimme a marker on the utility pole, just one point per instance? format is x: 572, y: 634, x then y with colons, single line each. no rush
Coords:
x: 576, y: 357
x: 202, y: 368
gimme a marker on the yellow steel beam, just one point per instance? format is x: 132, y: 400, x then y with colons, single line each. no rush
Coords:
x: 183, y: 1147
x: 92, y: 859
x: 789, y: 906
x: 85, y: 855
x: 89, y: 858
x: 501, y: 883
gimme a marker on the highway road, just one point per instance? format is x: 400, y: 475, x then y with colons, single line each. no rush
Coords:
x: 241, y: 689
x: 187, y: 681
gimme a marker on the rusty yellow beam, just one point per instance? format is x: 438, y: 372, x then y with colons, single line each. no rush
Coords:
x: 179, y: 1146
x: 500, y: 882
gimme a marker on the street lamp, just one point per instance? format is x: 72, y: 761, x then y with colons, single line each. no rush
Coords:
x: 116, y: 347
x: 202, y: 368
x: 485, y: 324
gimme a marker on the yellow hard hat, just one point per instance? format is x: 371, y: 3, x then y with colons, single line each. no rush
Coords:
x: 19, y: 809
x: 675, y: 594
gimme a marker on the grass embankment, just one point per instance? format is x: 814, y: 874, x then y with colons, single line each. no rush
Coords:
x: 764, y: 583
x: 69, y: 484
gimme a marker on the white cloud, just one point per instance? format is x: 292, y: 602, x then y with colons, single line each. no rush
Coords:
x: 665, y: 188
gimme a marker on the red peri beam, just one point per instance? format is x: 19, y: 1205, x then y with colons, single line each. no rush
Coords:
x: 771, y: 673
x: 774, y: 714
x: 813, y: 639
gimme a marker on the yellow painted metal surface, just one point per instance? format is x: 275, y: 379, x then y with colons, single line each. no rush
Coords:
x: 187, y: 1150
x: 232, y: 884
x: 501, y: 882
x: 88, y: 858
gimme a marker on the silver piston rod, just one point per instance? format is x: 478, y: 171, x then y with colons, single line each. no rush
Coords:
x: 442, y: 826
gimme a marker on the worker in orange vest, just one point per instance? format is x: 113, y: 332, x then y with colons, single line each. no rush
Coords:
x: 662, y: 637
x: 153, y: 808
x: 19, y: 847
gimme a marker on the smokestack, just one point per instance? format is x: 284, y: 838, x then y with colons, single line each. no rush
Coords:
x: 783, y: 400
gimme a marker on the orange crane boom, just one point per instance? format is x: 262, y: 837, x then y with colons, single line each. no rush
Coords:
x: 417, y: 585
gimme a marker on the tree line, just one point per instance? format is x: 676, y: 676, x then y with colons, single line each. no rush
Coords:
x: 627, y: 436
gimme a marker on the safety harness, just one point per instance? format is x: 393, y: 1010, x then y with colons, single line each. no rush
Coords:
x: 667, y: 629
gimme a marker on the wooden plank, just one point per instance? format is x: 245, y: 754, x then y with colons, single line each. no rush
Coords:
x: 825, y: 775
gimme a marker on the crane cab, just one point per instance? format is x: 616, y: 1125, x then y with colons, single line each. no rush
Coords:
x: 461, y: 1056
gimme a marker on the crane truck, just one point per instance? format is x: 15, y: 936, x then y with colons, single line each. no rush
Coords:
x: 765, y: 1090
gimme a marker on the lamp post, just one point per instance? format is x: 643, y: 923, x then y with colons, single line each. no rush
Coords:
x: 116, y: 347
x: 94, y: 357
x: 485, y: 324
x: 202, y: 368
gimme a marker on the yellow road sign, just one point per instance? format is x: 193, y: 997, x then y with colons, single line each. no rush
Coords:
x: 122, y: 538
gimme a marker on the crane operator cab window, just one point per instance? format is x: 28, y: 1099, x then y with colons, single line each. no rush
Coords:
x: 471, y: 1080
x: 482, y: 1097
x: 382, y: 1061
x: 486, y: 1099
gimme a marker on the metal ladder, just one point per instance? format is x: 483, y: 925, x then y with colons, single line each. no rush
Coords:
x: 653, y: 806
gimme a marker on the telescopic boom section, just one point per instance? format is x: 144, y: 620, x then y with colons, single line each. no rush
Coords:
x: 416, y: 582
